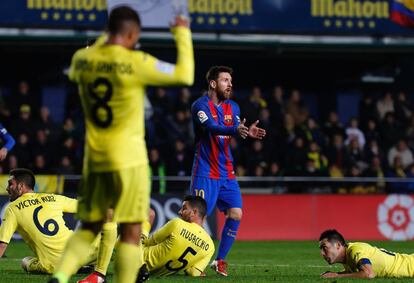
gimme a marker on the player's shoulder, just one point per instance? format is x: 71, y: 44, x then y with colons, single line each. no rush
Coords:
x: 232, y: 103
x: 354, y: 247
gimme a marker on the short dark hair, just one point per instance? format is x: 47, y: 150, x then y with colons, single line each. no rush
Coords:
x: 197, y: 202
x: 119, y: 16
x: 214, y: 72
x: 332, y: 236
x: 23, y: 175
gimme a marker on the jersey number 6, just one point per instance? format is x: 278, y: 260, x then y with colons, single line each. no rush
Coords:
x: 181, y: 259
x: 45, y: 228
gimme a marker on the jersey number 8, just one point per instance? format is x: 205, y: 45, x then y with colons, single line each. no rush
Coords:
x: 101, y: 91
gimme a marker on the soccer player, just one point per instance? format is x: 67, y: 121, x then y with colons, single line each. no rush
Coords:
x: 39, y: 220
x: 9, y: 142
x: 181, y: 244
x: 111, y: 78
x: 361, y: 260
x: 216, y: 119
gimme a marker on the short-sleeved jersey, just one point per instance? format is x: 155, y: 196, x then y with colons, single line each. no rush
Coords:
x: 213, y: 158
x: 384, y: 263
x: 111, y: 82
x: 39, y: 220
x: 178, y: 245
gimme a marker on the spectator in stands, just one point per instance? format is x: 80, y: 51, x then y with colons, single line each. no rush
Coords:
x: 22, y: 151
x: 296, y: 158
x: 403, y: 152
x: 251, y: 107
x: 320, y: 162
x: 5, y: 112
x: 257, y: 157
x: 336, y: 154
x: 385, y: 105
x: 354, y: 186
x: 24, y: 123
x: 355, y: 155
x: 375, y: 170
x: 333, y: 127
x: 12, y: 162
x: 178, y: 164
x: 47, y: 124
x: 40, y: 165
x: 180, y: 127
x: 41, y: 145
x: 157, y: 168
x: 312, y: 132
x: 161, y: 103
x: 396, y: 170
x: 65, y: 166
x: 23, y: 96
x: 289, y: 131
x: 183, y: 102
x: 276, y: 106
x: 297, y: 108
x: 367, y: 111
x: 371, y: 131
x: 353, y: 132
x: 372, y: 149
x: 403, y: 108
x: 390, y: 131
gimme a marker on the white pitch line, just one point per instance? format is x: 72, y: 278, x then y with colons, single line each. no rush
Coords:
x: 277, y: 265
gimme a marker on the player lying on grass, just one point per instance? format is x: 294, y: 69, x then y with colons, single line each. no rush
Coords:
x: 39, y: 220
x: 362, y: 260
x: 181, y: 244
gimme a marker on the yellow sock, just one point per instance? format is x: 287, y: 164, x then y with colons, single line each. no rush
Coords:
x: 145, y: 229
x: 75, y: 254
x: 106, y: 247
x: 128, y: 260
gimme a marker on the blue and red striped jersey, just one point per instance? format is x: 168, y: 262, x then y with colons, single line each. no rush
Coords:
x: 214, y: 125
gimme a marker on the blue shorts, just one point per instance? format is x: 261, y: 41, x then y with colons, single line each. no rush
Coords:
x: 223, y: 193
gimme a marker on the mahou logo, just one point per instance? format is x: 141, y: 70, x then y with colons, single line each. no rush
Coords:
x: 396, y: 217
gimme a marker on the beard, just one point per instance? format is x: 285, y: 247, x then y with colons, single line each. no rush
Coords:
x: 224, y: 94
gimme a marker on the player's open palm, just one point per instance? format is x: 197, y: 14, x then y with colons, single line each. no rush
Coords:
x: 242, y: 129
x: 256, y: 132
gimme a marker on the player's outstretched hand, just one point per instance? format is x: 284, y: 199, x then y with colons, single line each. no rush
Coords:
x: 181, y: 21
x: 242, y: 129
x: 329, y: 274
x: 3, y: 153
x: 256, y: 132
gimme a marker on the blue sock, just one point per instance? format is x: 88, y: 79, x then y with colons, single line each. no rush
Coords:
x: 228, y: 235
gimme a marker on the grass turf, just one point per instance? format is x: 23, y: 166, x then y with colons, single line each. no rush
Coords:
x: 281, y: 261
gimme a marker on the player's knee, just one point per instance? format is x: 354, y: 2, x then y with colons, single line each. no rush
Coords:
x: 26, y: 262
x: 235, y: 213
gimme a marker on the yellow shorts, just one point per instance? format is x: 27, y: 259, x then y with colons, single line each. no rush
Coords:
x: 126, y: 191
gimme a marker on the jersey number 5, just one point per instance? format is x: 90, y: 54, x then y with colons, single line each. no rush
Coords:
x: 181, y: 259
x: 45, y: 228
x: 101, y: 91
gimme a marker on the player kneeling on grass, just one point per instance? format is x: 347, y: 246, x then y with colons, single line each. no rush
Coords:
x: 362, y: 260
x: 39, y: 220
x: 182, y: 244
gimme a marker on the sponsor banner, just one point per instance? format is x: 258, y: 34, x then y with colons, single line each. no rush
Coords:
x: 166, y: 208
x: 44, y: 184
x: 304, y: 217
x: 349, y: 17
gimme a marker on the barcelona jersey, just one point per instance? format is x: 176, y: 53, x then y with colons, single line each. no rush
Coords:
x: 214, y: 125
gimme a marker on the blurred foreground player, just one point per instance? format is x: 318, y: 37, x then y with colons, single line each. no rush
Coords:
x: 361, y: 260
x: 111, y: 78
x: 216, y: 119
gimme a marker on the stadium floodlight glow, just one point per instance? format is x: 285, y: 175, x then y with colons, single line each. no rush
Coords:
x: 369, y: 78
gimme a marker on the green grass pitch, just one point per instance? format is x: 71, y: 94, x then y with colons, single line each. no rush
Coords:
x: 278, y: 261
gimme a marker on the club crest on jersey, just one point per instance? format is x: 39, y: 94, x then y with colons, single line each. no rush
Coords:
x: 227, y: 118
x: 202, y: 116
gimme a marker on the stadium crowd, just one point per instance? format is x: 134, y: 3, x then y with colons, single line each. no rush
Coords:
x: 377, y: 143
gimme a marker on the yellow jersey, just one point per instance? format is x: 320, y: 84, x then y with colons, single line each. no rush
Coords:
x: 178, y: 245
x: 39, y: 220
x: 111, y: 82
x: 384, y: 263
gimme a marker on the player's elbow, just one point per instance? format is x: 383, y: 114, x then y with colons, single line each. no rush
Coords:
x: 186, y: 80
